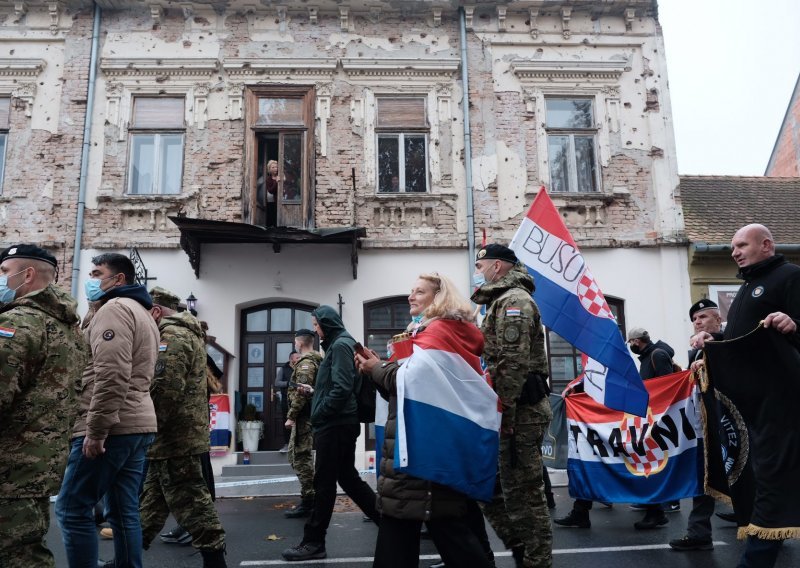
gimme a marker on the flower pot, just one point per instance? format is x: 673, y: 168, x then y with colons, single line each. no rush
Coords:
x: 251, y: 433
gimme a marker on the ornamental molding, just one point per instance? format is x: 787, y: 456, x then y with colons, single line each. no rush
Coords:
x: 21, y: 67
x: 150, y: 67
x: 400, y: 68
x: 281, y: 68
x: 605, y: 71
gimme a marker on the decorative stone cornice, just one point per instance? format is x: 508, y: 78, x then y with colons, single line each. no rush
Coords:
x: 281, y: 68
x: 527, y: 70
x: 148, y: 67
x: 400, y: 68
x: 21, y: 67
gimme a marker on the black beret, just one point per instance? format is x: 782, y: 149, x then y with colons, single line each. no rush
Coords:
x: 304, y: 332
x: 28, y: 251
x: 702, y: 305
x: 497, y: 252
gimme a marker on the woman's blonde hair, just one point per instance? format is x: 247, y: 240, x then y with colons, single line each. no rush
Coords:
x: 269, y: 163
x: 447, y: 303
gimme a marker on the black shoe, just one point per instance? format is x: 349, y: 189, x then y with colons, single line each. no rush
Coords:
x: 437, y: 565
x: 302, y: 510
x: 213, y: 558
x: 106, y: 564
x: 651, y: 520
x: 730, y: 517
x: 689, y: 543
x: 518, y: 553
x: 305, y: 551
x: 672, y: 507
x: 575, y: 520
x: 551, y: 501
x: 178, y: 535
x: 607, y: 505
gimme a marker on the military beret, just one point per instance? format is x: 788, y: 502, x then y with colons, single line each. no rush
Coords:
x: 304, y: 332
x: 705, y: 304
x: 497, y: 252
x: 638, y: 333
x: 164, y: 298
x: 28, y: 251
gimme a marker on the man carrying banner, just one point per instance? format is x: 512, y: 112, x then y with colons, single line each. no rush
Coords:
x: 705, y: 318
x: 770, y: 294
x: 516, y: 362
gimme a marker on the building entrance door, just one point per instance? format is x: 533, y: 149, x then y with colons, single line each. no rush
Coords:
x: 267, y: 341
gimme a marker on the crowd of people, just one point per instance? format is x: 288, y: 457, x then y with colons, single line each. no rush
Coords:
x: 136, y: 373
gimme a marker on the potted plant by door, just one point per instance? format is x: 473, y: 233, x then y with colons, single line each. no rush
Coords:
x: 250, y: 429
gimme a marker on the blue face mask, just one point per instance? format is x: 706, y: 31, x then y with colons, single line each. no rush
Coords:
x: 7, y: 294
x: 93, y: 289
x: 417, y: 319
x: 478, y: 279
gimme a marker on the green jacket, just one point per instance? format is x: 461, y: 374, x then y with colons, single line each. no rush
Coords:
x: 514, y: 338
x: 42, y: 356
x: 305, y: 373
x: 179, y: 391
x: 334, y: 401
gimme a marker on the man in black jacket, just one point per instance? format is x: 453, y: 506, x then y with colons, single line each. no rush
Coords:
x: 770, y: 294
x: 334, y: 420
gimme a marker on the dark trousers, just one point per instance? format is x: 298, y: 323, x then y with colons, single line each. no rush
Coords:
x: 582, y: 505
x: 477, y: 525
x: 398, y: 543
x: 700, y: 518
x: 336, y: 454
x: 760, y: 553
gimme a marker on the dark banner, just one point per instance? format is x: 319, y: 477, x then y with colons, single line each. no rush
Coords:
x: 554, y: 445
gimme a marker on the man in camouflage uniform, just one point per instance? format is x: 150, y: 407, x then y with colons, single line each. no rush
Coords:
x: 515, y: 357
x: 42, y: 353
x: 297, y: 419
x: 174, y: 480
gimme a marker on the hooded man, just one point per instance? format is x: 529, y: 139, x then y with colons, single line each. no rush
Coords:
x: 42, y: 352
x: 334, y: 421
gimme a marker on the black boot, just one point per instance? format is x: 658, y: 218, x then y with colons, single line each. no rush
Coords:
x: 575, y: 519
x: 653, y: 519
x: 302, y: 510
x: 518, y: 553
x: 213, y: 558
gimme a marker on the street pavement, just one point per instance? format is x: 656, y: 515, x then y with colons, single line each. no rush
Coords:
x: 257, y: 532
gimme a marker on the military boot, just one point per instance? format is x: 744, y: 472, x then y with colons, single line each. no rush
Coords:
x: 302, y: 510
x: 518, y: 553
x: 213, y: 558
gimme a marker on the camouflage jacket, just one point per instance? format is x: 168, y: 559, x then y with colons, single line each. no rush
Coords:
x: 179, y: 389
x: 305, y: 372
x: 514, y: 338
x: 42, y: 355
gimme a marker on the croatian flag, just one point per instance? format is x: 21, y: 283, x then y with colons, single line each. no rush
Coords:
x: 573, y: 306
x: 621, y: 458
x: 448, y: 419
x: 220, y: 407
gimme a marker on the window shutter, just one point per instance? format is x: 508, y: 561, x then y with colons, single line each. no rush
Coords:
x: 5, y: 105
x: 401, y: 112
x: 158, y: 112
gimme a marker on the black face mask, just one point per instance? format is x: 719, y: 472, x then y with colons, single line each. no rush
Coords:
x: 636, y: 350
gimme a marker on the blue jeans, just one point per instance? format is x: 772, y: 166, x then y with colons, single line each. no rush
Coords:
x: 117, y: 474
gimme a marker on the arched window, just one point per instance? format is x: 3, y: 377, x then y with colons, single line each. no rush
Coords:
x: 383, y: 319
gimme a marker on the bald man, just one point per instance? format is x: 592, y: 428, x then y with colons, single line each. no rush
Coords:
x: 770, y: 293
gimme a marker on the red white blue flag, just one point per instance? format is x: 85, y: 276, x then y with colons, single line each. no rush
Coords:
x: 448, y: 419
x: 220, y: 406
x: 573, y: 306
x: 619, y: 457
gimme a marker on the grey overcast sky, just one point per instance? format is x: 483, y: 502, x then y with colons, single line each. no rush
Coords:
x: 732, y: 67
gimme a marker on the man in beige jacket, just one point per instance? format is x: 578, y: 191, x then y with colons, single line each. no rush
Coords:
x: 116, y: 421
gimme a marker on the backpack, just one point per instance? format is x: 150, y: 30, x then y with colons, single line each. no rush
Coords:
x: 366, y: 391
x: 675, y: 367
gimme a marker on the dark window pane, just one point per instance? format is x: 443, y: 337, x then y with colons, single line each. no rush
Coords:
x: 378, y: 342
x: 585, y: 164
x: 380, y: 317
x: 398, y: 113
x: 416, y: 178
x: 157, y: 112
x: 388, y: 163
x: 280, y: 112
x: 558, y: 153
x: 143, y: 161
x: 569, y: 113
x: 292, y: 166
x: 401, y: 315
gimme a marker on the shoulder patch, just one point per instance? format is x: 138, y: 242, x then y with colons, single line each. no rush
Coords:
x: 108, y: 334
x: 513, y: 311
x: 7, y: 332
x: 511, y: 334
x: 160, y: 367
x: 162, y: 347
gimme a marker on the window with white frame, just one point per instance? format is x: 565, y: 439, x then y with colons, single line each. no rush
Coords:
x: 156, y: 151
x: 402, y: 131
x: 571, y: 145
x: 5, y: 107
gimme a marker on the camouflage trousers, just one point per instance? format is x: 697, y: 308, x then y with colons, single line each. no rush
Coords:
x: 23, y: 524
x: 176, y: 485
x: 300, y: 457
x: 518, y: 512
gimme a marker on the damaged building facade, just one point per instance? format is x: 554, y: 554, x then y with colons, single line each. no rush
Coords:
x: 381, y: 174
